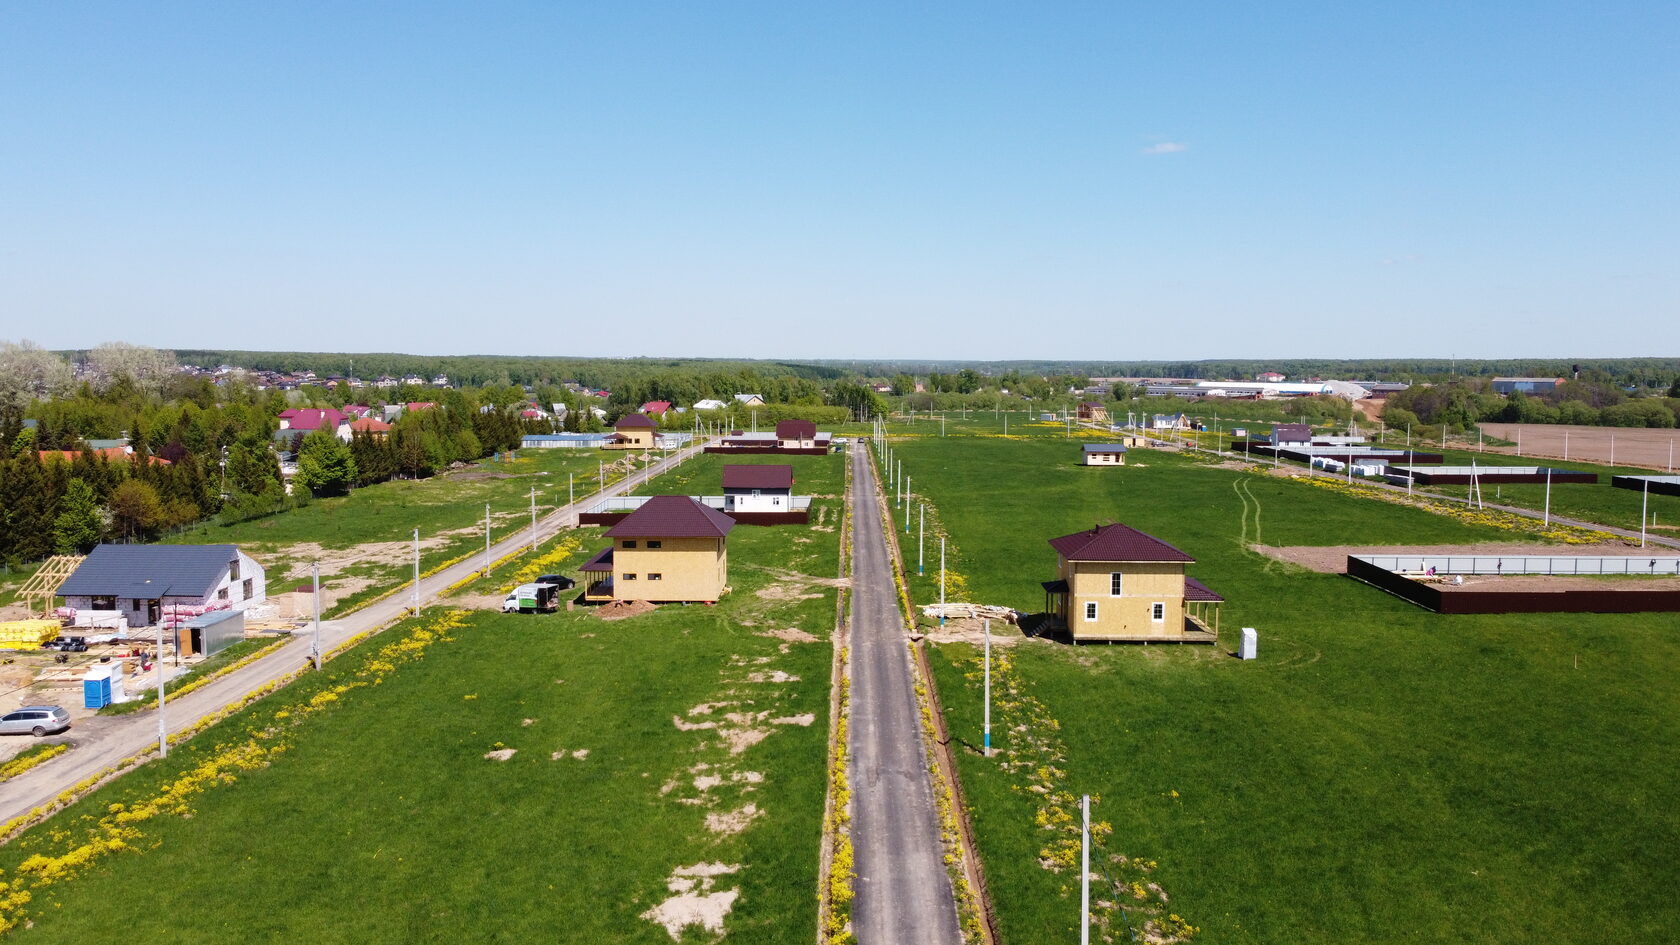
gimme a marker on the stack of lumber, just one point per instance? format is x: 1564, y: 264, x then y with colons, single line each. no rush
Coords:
x: 953, y: 611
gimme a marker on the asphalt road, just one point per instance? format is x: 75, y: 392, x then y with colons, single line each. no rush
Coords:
x: 105, y: 741
x: 904, y: 896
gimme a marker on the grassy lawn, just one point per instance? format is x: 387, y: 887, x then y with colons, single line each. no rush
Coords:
x: 1380, y: 774
x: 383, y: 821
x: 1600, y: 502
x: 365, y: 536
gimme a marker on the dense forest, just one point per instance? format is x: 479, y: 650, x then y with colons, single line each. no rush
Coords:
x: 1644, y: 373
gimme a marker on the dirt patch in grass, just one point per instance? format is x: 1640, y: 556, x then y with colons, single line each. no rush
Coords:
x: 1332, y: 559
x: 622, y: 609
x: 735, y: 821
x: 695, y: 903
x: 791, y: 635
x: 972, y: 630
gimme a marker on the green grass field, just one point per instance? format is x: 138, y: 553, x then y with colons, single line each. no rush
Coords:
x: 1381, y: 774
x: 383, y: 821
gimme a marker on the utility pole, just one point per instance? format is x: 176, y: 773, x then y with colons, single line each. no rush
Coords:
x: 921, y: 537
x: 163, y: 730
x: 942, y: 580
x: 315, y: 646
x: 533, y: 518
x: 417, y: 572
x: 486, y: 539
x: 1548, y: 519
x: 1085, y: 869
x: 987, y: 745
x: 1644, y: 511
x: 571, y: 490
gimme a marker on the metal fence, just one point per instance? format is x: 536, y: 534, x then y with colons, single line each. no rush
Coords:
x: 1522, y: 564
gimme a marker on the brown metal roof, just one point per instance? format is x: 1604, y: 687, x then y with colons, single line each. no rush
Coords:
x: 630, y: 420
x: 1116, y: 542
x: 1197, y: 591
x: 758, y: 477
x: 602, y: 561
x: 673, y: 516
x: 795, y: 430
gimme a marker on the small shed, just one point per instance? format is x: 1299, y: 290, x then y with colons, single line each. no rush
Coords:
x: 1104, y: 454
x: 209, y: 634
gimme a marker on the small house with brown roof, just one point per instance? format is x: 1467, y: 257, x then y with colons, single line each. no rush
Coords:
x: 672, y: 548
x: 767, y: 488
x: 1116, y: 584
x: 796, y: 435
x: 633, y: 431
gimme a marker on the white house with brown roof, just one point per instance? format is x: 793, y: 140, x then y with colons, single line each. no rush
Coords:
x: 1117, y: 584
x: 766, y: 488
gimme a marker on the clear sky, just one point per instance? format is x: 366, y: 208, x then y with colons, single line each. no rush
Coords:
x: 960, y: 180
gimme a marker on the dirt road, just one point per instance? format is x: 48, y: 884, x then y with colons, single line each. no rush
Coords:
x: 903, y: 892
x: 104, y: 742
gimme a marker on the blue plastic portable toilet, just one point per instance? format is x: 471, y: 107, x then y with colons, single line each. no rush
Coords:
x: 96, y: 688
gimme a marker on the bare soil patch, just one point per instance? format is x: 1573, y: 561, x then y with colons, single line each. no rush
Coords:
x: 1555, y: 583
x: 1332, y: 559
x: 1634, y: 446
x: 973, y: 630
x: 734, y: 821
x: 791, y: 635
x: 621, y: 609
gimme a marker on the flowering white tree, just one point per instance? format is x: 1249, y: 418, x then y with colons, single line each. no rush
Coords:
x: 29, y: 372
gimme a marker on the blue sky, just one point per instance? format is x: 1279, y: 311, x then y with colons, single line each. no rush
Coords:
x: 973, y: 180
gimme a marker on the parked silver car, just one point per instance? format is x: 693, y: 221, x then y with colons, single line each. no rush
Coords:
x: 35, y: 720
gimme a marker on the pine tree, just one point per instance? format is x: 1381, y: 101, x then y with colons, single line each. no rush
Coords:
x: 325, y: 466
x: 80, y: 523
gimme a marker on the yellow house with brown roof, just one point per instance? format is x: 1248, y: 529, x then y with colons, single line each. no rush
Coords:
x: 634, y: 431
x: 672, y: 548
x: 1117, y: 584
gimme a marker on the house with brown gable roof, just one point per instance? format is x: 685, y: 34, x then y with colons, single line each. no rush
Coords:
x: 633, y: 431
x: 1116, y: 584
x: 672, y: 548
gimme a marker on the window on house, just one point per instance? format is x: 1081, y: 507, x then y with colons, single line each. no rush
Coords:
x: 1115, y: 580
x: 222, y: 594
x: 656, y: 543
x: 628, y: 544
x: 655, y: 576
x: 629, y: 577
x: 1157, y: 612
x: 250, y: 587
x: 233, y: 570
x: 1090, y: 610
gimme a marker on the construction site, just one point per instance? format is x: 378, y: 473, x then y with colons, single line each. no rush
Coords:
x: 86, y: 658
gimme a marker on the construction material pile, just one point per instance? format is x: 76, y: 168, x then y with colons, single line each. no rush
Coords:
x: 956, y: 611
x: 27, y: 634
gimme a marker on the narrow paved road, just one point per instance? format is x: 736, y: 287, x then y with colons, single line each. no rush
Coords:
x: 106, y: 741
x: 903, y: 893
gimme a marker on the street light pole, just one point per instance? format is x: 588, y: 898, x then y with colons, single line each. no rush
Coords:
x: 417, y: 572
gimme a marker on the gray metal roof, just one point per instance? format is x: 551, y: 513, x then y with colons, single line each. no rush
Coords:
x: 150, y: 572
x: 1104, y: 448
